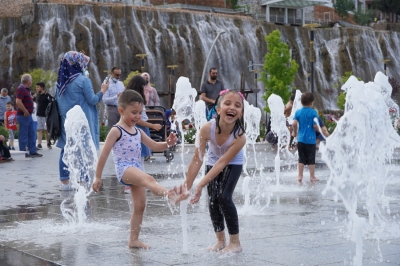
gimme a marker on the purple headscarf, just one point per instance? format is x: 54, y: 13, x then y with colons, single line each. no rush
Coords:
x: 71, y: 66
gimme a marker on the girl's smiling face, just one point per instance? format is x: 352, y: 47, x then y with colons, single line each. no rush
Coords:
x: 230, y: 108
x: 132, y: 113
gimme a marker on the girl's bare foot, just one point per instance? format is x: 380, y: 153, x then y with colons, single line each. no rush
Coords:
x: 138, y: 244
x: 232, y: 248
x: 217, y: 247
x: 300, y: 179
x: 314, y: 179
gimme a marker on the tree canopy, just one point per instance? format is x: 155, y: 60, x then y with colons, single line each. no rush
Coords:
x: 342, y: 7
x: 48, y: 77
x: 279, y: 69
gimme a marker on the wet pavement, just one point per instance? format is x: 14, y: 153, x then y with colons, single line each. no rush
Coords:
x: 290, y: 224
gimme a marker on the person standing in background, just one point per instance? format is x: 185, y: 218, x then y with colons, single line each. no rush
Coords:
x: 150, y: 93
x: 211, y: 89
x: 110, y: 98
x: 74, y: 88
x: 4, y: 99
x: 43, y: 100
x: 26, y: 131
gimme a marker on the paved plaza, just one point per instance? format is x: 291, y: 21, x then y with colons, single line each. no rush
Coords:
x: 290, y: 224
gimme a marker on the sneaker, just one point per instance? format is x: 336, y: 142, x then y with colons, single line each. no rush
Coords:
x: 65, y: 187
x: 39, y: 146
x: 12, y: 148
x: 9, y: 148
x: 127, y: 190
x: 36, y: 155
x: 152, y: 158
x: 27, y: 155
x: 48, y: 145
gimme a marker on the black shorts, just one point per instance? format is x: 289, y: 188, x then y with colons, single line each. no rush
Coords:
x: 306, y: 153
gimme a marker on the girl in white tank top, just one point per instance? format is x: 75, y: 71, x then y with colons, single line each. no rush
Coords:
x: 225, y: 138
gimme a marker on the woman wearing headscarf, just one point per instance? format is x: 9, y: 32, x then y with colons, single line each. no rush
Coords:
x: 150, y: 93
x: 74, y: 88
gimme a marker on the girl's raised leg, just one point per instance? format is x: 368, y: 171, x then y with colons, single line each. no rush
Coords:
x: 137, y: 177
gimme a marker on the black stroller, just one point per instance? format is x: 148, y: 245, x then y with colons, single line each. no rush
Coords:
x: 156, y: 115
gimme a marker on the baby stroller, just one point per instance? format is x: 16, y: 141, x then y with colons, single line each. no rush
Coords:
x: 156, y: 115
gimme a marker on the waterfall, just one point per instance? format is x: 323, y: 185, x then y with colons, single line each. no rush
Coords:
x: 113, y: 35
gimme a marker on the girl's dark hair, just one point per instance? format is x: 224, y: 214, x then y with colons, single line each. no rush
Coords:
x: 238, y: 129
x: 137, y: 84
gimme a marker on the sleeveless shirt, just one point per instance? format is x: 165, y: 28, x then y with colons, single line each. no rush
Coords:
x: 215, y: 151
x: 126, y: 151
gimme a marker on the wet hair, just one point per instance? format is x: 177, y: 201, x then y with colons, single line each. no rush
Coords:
x: 10, y: 103
x: 211, y: 69
x: 292, y: 96
x: 238, y: 129
x: 41, y: 84
x: 129, y: 97
x: 137, y: 84
x: 307, y: 98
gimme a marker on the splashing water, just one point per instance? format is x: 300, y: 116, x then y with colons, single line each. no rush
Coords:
x: 184, y: 106
x: 80, y: 156
x: 199, y: 120
x: 252, y: 118
x: 278, y: 126
x: 357, y: 154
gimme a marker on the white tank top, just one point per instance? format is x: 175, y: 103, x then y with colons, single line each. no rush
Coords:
x: 215, y: 152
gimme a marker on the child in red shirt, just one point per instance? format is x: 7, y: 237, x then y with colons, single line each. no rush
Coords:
x: 10, y: 121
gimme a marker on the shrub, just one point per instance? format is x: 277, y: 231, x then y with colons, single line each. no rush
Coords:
x: 190, y: 134
x: 48, y: 77
x: 130, y: 76
x: 103, y: 133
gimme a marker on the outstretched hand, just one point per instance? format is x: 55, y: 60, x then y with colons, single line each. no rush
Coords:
x: 197, y: 195
x: 172, y: 139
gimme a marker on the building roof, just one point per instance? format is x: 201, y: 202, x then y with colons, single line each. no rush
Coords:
x: 295, y: 3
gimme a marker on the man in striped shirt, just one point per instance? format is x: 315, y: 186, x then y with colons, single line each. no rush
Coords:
x: 25, y: 106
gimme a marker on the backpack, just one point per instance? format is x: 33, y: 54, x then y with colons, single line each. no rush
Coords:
x: 212, y: 113
x: 53, y: 119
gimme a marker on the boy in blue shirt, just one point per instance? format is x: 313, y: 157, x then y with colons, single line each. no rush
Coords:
x: 306, y: 119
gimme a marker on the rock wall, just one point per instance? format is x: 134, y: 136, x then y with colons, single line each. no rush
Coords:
x: 114, y: 35
x: 12, y: 8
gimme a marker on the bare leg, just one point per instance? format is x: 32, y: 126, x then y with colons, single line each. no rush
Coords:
x: 39, y: 136
x: 311, y: 167
x: 220, y: 242
x: 300, y: 169
x: 234, y: 245
x: 136, y: 177
x: 139, y: 205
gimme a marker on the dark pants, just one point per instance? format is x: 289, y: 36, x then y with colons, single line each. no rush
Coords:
x: 4, y: 152
x: 221, y: 205
x: 26, y: 134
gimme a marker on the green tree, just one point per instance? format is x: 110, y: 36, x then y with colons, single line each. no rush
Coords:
x: 364, y: 18
x: 342, y: 7
x: 130, y: 76
x: 48, y: 77
x: 388, y: 6
x: 341, y: 100
x: 279, y: 70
